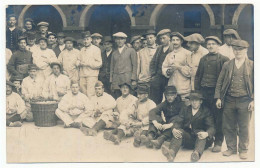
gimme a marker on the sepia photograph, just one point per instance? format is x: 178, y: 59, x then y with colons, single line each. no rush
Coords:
x: 129, y: 83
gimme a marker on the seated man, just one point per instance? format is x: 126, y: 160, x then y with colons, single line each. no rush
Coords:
x: 162, y: 119
x: 15, y: 107
x: 125, y: 108
x: 56, y: 85
x: 74, y: 107
x: 17, y: 81
x: 196, y: 129
x: 102, y: 116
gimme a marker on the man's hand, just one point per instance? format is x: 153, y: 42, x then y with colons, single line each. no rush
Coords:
x: 170, y: 71
x: 97, y: 113
x: 219, y: 103
x: 134, y: 83
x: 202, y: 135
x: 251, y: 106
x: 157, y: 125
x: 166, y: 126
x: 177, y: 133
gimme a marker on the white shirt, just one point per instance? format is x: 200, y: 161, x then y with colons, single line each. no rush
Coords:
x: 108, y: 53
x: 165, y: 48
x: 227, y: 51
x: 11, y: 28
x: 14, y: 102
x: 32, y: 88
x: 121, y: 49
x: 194, y: 111
x: 239, y: 63
x: 62, y: 47
x: 103, y: 103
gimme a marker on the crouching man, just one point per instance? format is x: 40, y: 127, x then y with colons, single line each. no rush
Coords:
x: 196, y: 129
x: 102, y: 116
x: 162, y: 119
x: 15, y: 107
x: 74, y: 107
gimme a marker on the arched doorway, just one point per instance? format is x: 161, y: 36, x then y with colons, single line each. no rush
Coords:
x: 108, y: 19
x: 46, y: 13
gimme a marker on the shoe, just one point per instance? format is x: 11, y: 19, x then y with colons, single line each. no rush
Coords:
x: 195, y: 156
x: 168, y: 153
x: 243, y: 155
x: 137, y: 141
x: 143, y: 139
x: 76, y: 125
x: 229, y: 153
x: 88, y: 131
x: 107, y: 135
x: 115, y: 139
x: 15, y: 124
x: 216, y: 149
x: 67, y: 126
x: 156, y: 144
x: 149, y: 144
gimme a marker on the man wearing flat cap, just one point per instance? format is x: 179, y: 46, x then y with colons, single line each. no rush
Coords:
x: 194, y: 130
x: 12, y: 33
x: 56, y: 85
x: 31, y: 42
x: 158, y: 80
x: 60, y: 44
x: 145, y: 57
x: 206, y: 79
x: 226, y: 49
x: 123, y: 66
x: 177, y: 67
x: 90, y: 61
x: 43, y: 30
x: 235, y: 94
x: 162, y: 119
x: 194, y: 42
x: 69, y: 59
x: 136, y: 43
x: 104, y: 72
x: 19, y: 61
x: 97, y: 40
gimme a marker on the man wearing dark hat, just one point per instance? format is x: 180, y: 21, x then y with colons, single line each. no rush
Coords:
x: 43, y: 30
x: 123, y: 66
x: 15, y: 107
x: 235, y: 93
x: 56, y: 85
x: 102, y: 117
x: 69, y: 59
x: 158, y: 80
x: 177, y: 67
x: 194, y: 42
x: 12, y: 33
x: 17, y: 81
x: 162, y: 119
x: 61, y: 45
x: 194, y: 130
x: 52, y: 40
x: 31, y: 40
x: 145, y: 57
x: 206, y: 79
x: 226, y: 49
x: 104, y: 72
x: 18, y: 64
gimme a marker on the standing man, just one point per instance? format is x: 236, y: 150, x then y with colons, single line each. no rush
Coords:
x: 195, y: 42
x: 123, y: 65
x: 61, y: 45
x: 89, y: 61
x: 12, y: 33
x: 104, y: 73
x: 96, y: 40
x: 69, y: 59
x: 206, y: 79
x: 235, y: 93
x: 31, y: 40
x: 226, y: 49
x: 145, y: 57
x: 43, y: 30
x: 52, y: 40
x: 18, y: 64
x: 136, y: 43
x: 158, y: 81
x: 177, y: 68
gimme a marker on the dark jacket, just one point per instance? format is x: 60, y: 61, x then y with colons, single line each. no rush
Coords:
x: 201, y: 121
x: 170, y: 111
x: 156, y: 60
x: 203, y: 63
x: 57, y: 50
x: 104, y: 71
x: 225, y: 78
x: 12, y: 38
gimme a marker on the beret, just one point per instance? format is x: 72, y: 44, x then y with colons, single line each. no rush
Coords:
x: 86, y: 34
x: 163, y: 31
x: 60, y: 34
x: 213, y: 38
x: 149, y: 32
x: 51, y: 34
x: 107, y: 39
x: 31, y: 35
x: 177, y: 34
x: 21, y: 38
x: 16, y: 78
x: 43, y: 24
x: 42, y: 38
x: 170, y: 90
x: 124, y: 83
x: 99, y: 84
x: 240, y: 43
x: 120, y: 34
x: 96, y: 35
x: 231, y: 32
x: 196, y: 37
x: 142, y: 89
x: 69, y: 39
x: 10, y: 83
x: 134, y: 38
x: 195, y: 95
x: 32, y: 66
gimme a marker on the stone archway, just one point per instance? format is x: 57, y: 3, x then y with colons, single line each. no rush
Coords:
x: 237, y: 13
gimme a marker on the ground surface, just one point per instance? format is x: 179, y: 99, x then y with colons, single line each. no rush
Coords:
x: 30, y: 143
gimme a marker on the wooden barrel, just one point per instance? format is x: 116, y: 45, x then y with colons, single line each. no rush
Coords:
x: 44, y: 113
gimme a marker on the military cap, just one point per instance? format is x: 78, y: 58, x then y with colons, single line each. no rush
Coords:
x: 21, y: 38
x: 96, y: 35
x: 120, y: 34
x: 51, y: 34
x: 231, y: 32
x: 32, y: 66
x: 195, y: 37
x: 240, y: 43
x: 170, y: 90
x: 42, y: 38
x: 31, y: 35
x: 195, y: 95
x: 134, y: 38
x: 213, y: 38
x: 60, y: 34
x: 46, y: 24
x: 28, y: 20
x: 86, y: 34
x: 69, y: 39
x: 177, y: 34
x: 142, y: 89
x: 55, y: 63
x: 163, y: 32
x: 9, y: 83
x: 150, y: 31
x: 80, y: 41
x: 99, y: 84
x: 107, y: 39
x: 124, y: 83
x: 17, y: 77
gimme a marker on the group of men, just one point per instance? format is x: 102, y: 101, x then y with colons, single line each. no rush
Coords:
x: 191, y: 97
